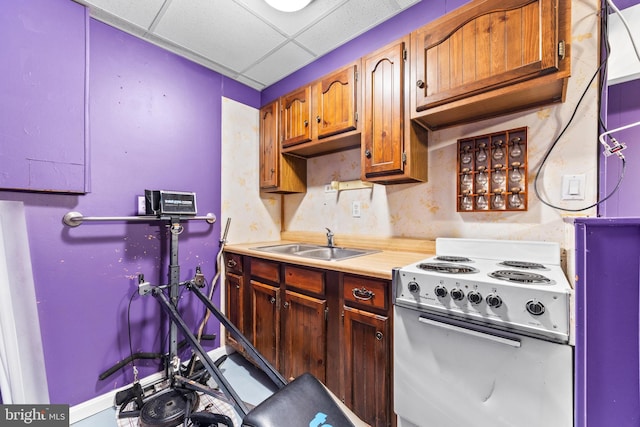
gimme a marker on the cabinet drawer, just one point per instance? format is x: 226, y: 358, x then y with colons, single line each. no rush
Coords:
x: 365, y: 292
x: 304, y: 279
x: 233, y: 262
x: 266, y: 270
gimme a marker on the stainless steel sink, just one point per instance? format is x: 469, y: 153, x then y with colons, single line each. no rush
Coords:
x: 324, y: 253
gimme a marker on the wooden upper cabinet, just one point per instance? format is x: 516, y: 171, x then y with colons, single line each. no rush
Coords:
x: 279, y: 173
x: 322, y: 117
x: 296, y: 111
x: 393, y: 149
x: 269, y: 149
x: 336, y: 102
x: 485, y: 46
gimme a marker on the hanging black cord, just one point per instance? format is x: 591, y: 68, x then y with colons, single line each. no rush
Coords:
x: 133, y: 364
x: 602, y: 70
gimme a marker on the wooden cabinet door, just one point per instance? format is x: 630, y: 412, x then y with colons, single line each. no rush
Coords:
x: 336, y: 102
x: 304, y: 336
x: 482, y: 46
x: 295, y: 110
x: 235, y: 302
x: 383, y: 145
x: 265, y: 320
x: 269, y: 146
x: 368, y: 366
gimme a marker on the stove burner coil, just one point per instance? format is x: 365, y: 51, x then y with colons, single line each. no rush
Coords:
x: 452, y: 258
x: 524, y: 264
x: 443, y: 267
x: 520, y: 277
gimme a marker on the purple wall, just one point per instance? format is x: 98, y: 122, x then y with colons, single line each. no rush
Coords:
x: 623, y: 108
x: 402, y: 24
x: 155, y: 123
x: 607, y: 313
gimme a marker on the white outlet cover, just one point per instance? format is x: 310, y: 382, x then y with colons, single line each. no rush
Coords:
x: 355, y: 209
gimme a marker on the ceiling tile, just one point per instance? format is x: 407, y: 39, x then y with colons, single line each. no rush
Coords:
x: 226, y: 33
x: 270, y: 70
x: 346, y: 22
x: 291, y: 23
x: 140, y: 13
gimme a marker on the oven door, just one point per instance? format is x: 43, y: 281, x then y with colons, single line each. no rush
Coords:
x: 449, y: 373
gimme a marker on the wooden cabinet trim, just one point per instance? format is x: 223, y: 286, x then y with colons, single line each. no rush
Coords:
x: 304, y: 279
x: 266, y: 270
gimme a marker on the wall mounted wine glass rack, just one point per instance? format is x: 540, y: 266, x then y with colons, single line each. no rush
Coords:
x: 492, y: 172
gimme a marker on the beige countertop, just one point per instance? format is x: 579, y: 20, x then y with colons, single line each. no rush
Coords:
x: 390, y: 253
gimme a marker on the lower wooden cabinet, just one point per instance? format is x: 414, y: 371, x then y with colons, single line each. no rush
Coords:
x: 304, y: 336
x: 265, y: 320
x: 336, y: 326
x: 367, y: 366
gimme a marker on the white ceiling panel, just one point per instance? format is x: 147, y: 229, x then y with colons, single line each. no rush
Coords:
x: 141, y: 13
x: 292, y: 23
x: 346, y: 22
x: 269, y: 70
x: 210, y: 28
x: 245, y: 40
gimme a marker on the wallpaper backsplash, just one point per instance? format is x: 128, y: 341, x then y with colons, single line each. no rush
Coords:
x: 427, y: 210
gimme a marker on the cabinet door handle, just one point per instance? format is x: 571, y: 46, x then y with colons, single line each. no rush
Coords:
x: 286, y: 304
x: 318, y: 119
x: 363, y: 294
x: 420, y: 84
x: 231, y: 263
x: 306, y: 123
x: 367, y: 153
x: 272, y: 300
x: 379, y: 336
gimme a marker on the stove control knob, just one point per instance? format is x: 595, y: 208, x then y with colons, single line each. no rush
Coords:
x: 414, y: 287
x: 494, y: 300
x: 535, y: 307
x: 440, y: 291
x: 474, y: 297
x: 457, y: 294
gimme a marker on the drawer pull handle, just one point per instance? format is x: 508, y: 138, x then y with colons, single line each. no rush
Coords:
x: 363, y: 294
x: 231, y: 263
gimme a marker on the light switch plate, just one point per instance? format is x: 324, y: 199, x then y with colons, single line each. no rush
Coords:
x: 573, y: 187
x: 142, y: 209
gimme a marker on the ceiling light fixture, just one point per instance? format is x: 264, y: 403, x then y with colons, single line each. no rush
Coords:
x: 288, y: 5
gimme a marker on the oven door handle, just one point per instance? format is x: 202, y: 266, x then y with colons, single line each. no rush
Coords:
x: 496, y: 338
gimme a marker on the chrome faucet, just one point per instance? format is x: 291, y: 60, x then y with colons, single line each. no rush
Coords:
x: 329, y: 238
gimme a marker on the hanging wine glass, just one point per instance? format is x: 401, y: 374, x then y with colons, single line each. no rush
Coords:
x: 516, y: 150
x: 481, y: 177
x: 466, y: 181
x: 498, y: 150
x: 466, y: 203
x: 481, y: 201
x: 481, y: 156
x: 466, y: 157
x: 498, y: 175
x: 516, y: 174
x: 498, y: 200
x: 515, y: 201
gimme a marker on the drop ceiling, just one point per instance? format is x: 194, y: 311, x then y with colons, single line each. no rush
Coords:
x: 246, y: 40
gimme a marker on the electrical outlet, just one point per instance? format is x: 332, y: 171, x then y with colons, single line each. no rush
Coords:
x: 355, y: 209
x: 329, y: 189
x: 142, y: 208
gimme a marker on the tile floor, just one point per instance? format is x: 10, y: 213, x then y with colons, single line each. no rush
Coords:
x: 250, y: 383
